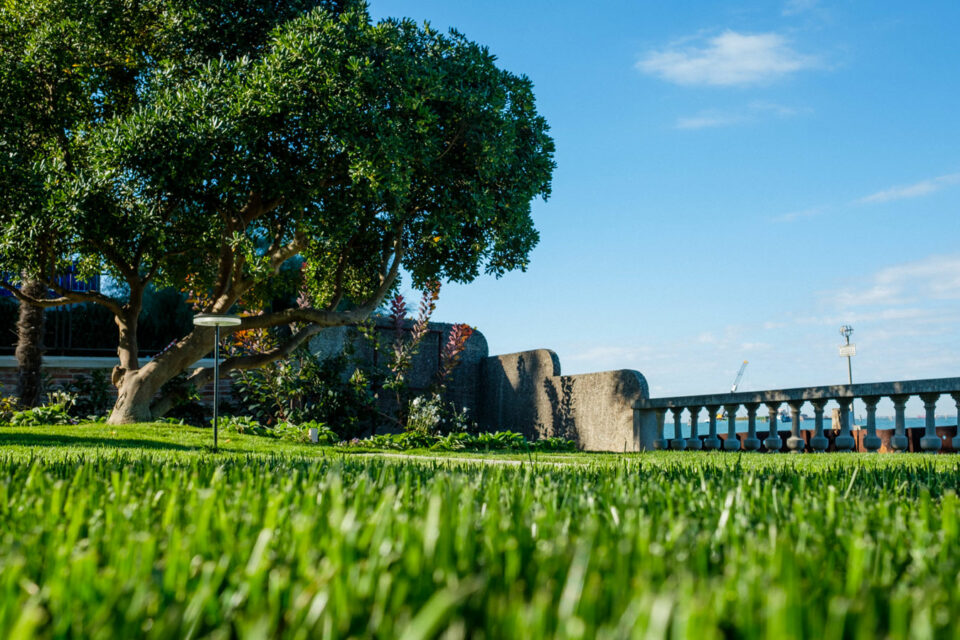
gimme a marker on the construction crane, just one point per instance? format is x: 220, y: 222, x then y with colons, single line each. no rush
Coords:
x: 736, y: 382
x: 722, y: 415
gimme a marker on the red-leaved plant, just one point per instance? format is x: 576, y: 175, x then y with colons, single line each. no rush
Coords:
x: 404, y: 349
x: 452, y: 350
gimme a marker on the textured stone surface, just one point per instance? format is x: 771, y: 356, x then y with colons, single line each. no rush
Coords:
x: 463, y: 385
x: 513, y: 392
x: 526, y: 392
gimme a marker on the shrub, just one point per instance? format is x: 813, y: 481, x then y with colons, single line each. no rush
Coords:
x: 48, y: 414
x: 325, y: 435
x: 187, y: 407
x: 425, y: 415
x: 500, y: 441
x: 243, y: 425
x: 285, y: 430
x: 433, y: 416
x: 497, y: 441
x: 91, y: 394
x: 8, y: 406
x: 301, y: 389
x: 55, y: 411
x: 457, y: 420
x: 301, y: 433
x: 553, y: 444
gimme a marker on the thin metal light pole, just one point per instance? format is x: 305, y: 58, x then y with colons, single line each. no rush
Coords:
x: 849, y: 366
x: 846, y: 331
x: 216, y: 384
x: 216, y: 321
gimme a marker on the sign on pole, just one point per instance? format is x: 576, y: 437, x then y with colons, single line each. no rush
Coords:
x: 847, y: 350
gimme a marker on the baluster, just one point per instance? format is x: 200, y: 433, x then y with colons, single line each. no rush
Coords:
x: 660, y: 443
x: 871, y: 442
x: 693, y: 442
x: 731, y: 443
x: 712, y: 442
x: 795, y: 443
x: 956, y: 439
x: 845, y: 441
x: 930, y: 442
x: 819, y: 441
x: 751, y: 442
x: 772, y: 442
x: 678, y: 443
x: 899, y: 441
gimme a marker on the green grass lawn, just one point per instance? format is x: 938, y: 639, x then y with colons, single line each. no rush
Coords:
x: 141, y: 531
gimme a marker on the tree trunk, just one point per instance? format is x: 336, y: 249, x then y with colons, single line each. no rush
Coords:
x: 30, y: 346
x: 137, y: 388
x: 135, y: 393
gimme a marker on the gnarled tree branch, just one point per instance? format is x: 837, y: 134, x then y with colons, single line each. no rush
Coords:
x: 88, y: 296
x: 66, y: 297
x: 204, y: 375
x: 329, y: 317
x: 37, y: 302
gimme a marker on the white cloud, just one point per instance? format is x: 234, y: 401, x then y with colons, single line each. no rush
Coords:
x: 934, y: 278
x: 922, y: 188
x: 711, y: 118
x: 707, y: 120
x: 729, y: 59
x: 915, y: 190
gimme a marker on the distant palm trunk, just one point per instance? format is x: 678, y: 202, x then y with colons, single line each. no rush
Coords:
x: 30, y: 346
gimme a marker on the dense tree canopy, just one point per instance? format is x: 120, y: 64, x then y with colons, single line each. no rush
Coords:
x: 211, y: 143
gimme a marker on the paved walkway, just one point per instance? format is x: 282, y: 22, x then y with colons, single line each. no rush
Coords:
x: 491, y: 461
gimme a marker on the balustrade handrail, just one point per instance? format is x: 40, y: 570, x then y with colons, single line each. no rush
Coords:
x: 829, y: 392
x: 929, y: 391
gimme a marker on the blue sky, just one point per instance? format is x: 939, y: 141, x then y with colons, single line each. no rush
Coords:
x: 735, y: 180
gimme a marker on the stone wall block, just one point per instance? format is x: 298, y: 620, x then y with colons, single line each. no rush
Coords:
x: 525, y: 392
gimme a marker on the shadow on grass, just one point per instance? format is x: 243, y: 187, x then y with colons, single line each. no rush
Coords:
x: 51, y: 440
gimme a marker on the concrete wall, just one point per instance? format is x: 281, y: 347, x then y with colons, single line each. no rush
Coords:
x: 526, y: 392
x: 523, y: 392
x: 463, y: 384
x: 513, y: 392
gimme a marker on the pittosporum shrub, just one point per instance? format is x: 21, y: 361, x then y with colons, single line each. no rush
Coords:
x: 187, y: 407
x: 303, y: 389
x: 92, y: 394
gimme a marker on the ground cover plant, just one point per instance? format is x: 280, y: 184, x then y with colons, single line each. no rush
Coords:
x: 497, y: 441
x: 154, y: 536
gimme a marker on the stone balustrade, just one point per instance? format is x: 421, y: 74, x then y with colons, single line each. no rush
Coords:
x: 899, y: 392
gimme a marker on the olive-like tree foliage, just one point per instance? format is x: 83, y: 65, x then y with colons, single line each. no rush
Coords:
x: 362, y: 148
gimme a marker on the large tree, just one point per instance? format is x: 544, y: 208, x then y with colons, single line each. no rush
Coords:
x: 66, y: 67
x: 364, y: 149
